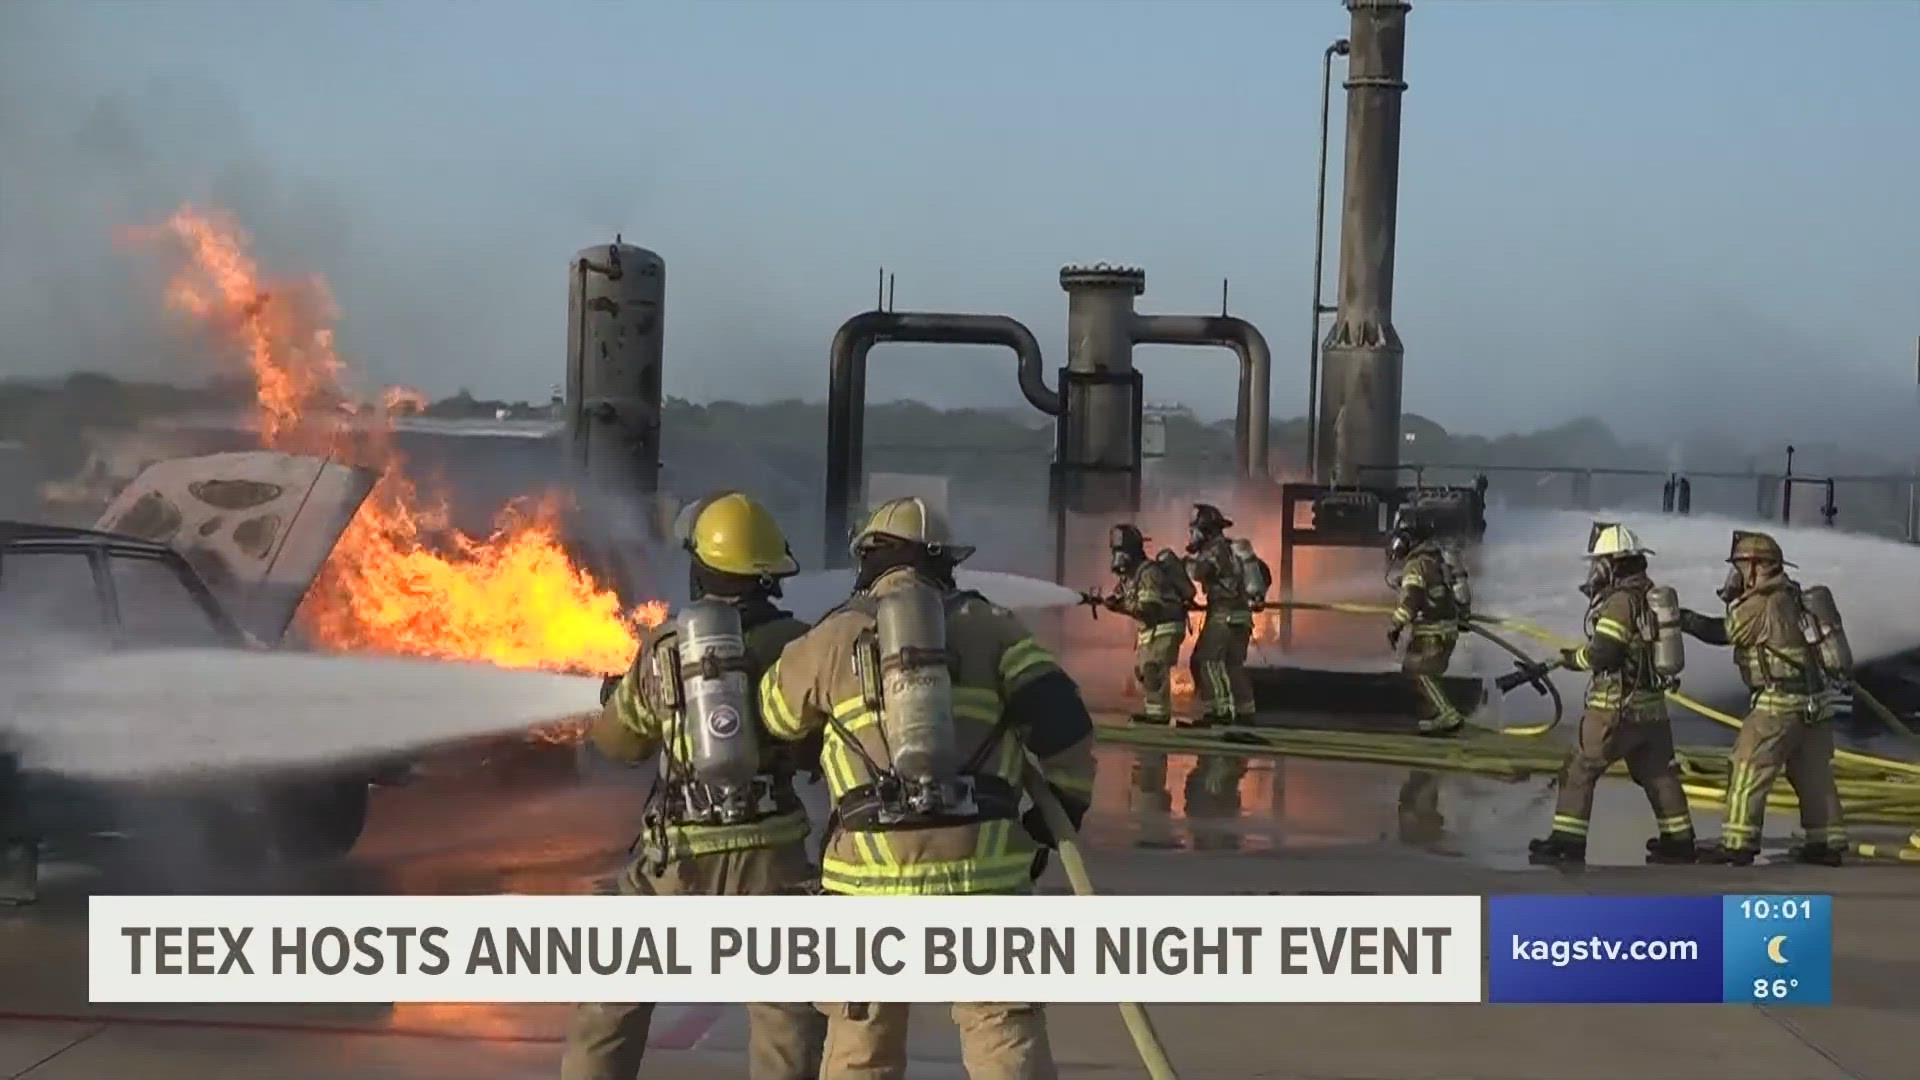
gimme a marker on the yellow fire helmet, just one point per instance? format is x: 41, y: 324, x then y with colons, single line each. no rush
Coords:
x: 912, y: 520
x: 1611, y: 540
x: 734, y: 534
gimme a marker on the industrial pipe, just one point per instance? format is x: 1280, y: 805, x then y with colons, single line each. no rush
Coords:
x: 847, y: 391
x: 1340, y: 47
x: 1254, y: 401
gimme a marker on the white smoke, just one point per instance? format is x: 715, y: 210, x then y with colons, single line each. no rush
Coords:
x: 1532, y: 564
x: 813, y: 594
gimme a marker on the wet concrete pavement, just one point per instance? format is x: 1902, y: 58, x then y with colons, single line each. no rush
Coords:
x: 556, y: 821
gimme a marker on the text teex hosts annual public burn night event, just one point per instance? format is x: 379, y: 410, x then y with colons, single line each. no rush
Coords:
x: 1544, y: 949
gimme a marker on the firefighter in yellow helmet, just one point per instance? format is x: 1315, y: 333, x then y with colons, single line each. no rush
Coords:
x: 1789, y: 727
x: 930, y: 700
x: 1626, y: 705
x: 1435, y: 604
x: 723, y: 818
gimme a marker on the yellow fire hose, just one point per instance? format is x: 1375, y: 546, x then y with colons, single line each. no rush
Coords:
x: 1873, y: 789
x: 1140, y: 1026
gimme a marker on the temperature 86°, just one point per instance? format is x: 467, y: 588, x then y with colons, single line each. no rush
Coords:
x: 1773, y: 989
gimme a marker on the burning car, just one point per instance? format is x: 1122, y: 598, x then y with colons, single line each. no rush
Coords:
x: 215, y: 551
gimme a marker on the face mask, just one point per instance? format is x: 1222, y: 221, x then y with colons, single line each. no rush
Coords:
x: 1735, y: 584
x: 1598, y: 574
x: 1122, y: 560
x: 1195, y: 538
x: 1398, y: 548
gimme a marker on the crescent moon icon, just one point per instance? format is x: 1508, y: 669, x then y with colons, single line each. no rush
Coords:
x: 1773, y: 949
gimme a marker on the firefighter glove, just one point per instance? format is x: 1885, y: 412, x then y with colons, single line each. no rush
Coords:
x: 1393, y: 636
x: 607, y: 686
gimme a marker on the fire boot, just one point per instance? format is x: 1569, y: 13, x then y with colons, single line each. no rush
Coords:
x: 1721, y: 855
x: 19, y: 872
x: 1817, y: 854
x: 1557, y: 849
x: 1672, y: 851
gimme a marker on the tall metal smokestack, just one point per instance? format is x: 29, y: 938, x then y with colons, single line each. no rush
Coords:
x: 1359, y: 423
x: 616, y: 333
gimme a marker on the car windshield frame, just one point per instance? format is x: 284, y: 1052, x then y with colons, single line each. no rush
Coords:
x: 221, y: 628
x: 102, y: 554
x: 103, y: 623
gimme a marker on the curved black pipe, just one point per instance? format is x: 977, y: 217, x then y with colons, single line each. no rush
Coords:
x: 1252, y: 406
x: 847, y: 390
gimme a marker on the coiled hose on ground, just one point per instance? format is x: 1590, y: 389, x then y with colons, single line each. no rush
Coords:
x: 1874, y: 790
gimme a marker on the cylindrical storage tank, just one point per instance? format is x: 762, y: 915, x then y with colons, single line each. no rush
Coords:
x: 1099, y: 450
x: 616, y: 319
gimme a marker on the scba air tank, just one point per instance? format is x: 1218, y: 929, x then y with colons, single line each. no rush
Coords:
x: 1253, y: 572
x: 1824, y: 631
x: 1457, y: 581
x: 723, y: 747
x: 1669, y: 647
x: 916, y: 686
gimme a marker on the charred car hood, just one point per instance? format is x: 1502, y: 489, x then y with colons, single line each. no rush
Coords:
x: 257, y: 524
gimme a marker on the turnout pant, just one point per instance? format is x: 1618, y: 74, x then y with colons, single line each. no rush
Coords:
x: 1642, y: 736
x: 1219, y: 663
x: 997, y: 1041
x: 1770, y: 743
x: 607, y: 1041
x: 1429, y: 651
x: 1154, y: 655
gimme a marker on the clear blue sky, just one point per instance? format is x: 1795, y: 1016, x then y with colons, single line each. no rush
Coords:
x: 1599, y: 200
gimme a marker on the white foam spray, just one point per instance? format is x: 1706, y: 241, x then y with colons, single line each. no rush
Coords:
x: 1531, y: 567
x: 180, y: 711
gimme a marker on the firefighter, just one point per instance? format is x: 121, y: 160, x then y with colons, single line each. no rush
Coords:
x: 1434, y: 602
x: 924, y: 766
x: 1219, y: 658
x: 19, y: 850
x: 1155, y: 593
x: 1789, y: 725
x: 1626, y: 705
x: 700, y: 837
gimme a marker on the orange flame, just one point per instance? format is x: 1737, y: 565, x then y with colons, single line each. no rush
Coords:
x: 398, y: 400
x: 400, y: 581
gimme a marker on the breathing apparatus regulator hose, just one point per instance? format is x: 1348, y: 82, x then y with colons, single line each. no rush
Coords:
x: 1146, y: 1041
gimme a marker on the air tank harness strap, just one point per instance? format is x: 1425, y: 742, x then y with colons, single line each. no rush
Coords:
x: 866, y: 808
x: 692, y: 802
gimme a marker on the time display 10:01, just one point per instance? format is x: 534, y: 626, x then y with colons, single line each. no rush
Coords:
x: 1790, y: 907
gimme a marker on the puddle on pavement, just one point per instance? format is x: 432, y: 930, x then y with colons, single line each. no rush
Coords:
x: 1147, y: 800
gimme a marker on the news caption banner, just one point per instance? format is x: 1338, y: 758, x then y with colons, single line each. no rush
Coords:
x: 1759, y: 950
x: 515, y: 949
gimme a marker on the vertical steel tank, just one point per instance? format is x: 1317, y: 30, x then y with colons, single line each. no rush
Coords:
x: 616, y: 319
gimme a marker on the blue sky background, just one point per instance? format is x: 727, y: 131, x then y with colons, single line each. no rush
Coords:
x: 1665, y: 214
